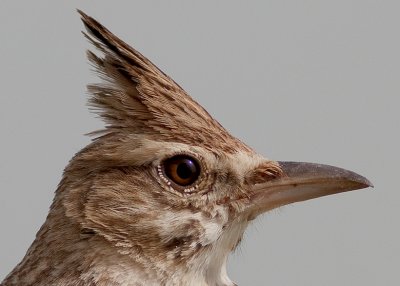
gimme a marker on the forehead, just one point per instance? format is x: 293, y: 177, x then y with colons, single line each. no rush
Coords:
x: 137, y: 150
x: 237, y: 163
x: 215, y: 160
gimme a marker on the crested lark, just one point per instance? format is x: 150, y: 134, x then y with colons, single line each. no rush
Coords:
x: 164, y: 193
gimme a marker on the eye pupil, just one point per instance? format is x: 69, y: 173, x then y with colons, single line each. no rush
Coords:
x: 182, y: 170
x: 186, y: 169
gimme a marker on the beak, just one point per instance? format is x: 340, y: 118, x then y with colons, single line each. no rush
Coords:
x: 303, y: 181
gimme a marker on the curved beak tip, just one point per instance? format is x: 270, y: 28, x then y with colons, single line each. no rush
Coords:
x: 367, y: 183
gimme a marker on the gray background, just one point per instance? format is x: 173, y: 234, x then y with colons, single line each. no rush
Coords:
x: 297, y: 80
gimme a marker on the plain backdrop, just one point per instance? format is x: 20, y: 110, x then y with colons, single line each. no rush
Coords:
x: 297, y: 80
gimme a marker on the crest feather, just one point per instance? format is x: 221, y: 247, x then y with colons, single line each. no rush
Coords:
x: 139, y: 98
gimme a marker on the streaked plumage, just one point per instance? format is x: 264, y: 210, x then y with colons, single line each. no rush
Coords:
x: 119, y: 219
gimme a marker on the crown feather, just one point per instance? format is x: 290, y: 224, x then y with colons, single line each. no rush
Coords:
x: 139, y: 98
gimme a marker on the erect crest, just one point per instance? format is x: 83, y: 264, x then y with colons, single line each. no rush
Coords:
x: 138, y: 98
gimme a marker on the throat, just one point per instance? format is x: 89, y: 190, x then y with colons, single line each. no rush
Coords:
x: 65, y: 254
x: 216, y: 272
x: 206, y: 267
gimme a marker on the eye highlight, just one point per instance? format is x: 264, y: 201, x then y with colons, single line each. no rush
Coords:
x: 183, y: 170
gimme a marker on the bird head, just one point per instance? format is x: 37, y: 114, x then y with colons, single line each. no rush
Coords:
x: 164, y: 183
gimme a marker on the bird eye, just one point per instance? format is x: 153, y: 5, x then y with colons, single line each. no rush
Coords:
x: 182, y: 170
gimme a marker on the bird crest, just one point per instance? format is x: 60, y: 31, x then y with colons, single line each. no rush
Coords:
x: 137, y: 97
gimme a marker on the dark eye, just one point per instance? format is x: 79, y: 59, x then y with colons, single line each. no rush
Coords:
x: 183, y: 170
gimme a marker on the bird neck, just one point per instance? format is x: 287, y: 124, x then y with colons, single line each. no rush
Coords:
x: 62, y: 252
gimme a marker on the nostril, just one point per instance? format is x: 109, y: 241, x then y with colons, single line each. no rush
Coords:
x: 267, y: 171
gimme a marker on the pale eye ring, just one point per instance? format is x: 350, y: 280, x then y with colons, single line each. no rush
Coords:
x: 183, y: 170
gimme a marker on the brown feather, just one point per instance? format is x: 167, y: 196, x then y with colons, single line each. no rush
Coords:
x: 115, y: 218
x: 140, y: 98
